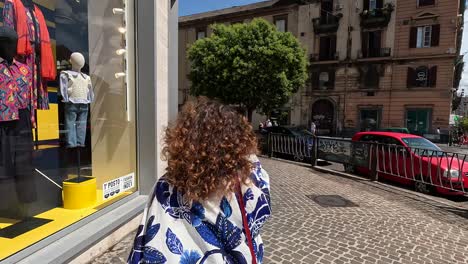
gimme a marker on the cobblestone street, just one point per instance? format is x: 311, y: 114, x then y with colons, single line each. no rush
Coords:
x: 379, y: 224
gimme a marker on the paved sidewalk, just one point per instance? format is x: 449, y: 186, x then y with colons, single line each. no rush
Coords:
x: 382, y: 224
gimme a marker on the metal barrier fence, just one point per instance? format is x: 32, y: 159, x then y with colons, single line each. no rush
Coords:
x: 426, y: 168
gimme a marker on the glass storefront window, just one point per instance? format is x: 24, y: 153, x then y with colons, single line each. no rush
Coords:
x: 70, y: 150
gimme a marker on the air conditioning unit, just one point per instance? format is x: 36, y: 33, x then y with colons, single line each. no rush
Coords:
x: 339, y: 7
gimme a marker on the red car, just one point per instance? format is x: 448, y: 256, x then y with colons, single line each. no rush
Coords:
x: 414, y: 160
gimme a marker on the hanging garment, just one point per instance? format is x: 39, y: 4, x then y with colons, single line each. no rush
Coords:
x: 176, y: 231
x: 34, y: 48
x: 16, y: 155
x: 15, y: 89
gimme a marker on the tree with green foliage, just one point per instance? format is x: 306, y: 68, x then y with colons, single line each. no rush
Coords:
x: 250, y: 65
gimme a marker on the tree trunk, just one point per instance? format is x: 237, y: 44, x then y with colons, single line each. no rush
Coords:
x: 250, y: 114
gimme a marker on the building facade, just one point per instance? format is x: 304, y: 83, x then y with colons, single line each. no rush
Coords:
x: 373, y: 63
x: 68, y: 202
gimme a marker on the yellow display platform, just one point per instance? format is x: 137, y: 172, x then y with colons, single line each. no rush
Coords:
x: 79, y: 195
x: 61, y: 218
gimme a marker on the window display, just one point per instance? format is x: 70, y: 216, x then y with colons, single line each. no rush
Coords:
x: 67, y: 126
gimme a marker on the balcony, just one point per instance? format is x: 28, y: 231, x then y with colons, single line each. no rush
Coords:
x: 375, y: 53
x: 319, y: 57
x: 326, y: 24
x: 379, y: 17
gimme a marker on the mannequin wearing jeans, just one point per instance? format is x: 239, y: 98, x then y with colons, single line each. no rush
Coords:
x: 77, y: 92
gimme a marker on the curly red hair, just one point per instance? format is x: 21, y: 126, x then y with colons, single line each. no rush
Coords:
x: 208, y: 150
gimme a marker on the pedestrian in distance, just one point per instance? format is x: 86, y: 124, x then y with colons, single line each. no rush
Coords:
x: 313, y: 128
x: 268, y: 123
x: 214, y: 199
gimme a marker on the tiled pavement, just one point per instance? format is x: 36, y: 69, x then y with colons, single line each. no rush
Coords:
x: 385, y: 226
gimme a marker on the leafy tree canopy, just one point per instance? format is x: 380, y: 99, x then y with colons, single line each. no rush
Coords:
x: 252, y: 65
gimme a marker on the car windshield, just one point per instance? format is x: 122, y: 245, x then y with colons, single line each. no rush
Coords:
x: 423, y: 147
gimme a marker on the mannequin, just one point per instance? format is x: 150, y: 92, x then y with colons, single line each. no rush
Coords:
x: 16, y: 143
x: 77, y: 92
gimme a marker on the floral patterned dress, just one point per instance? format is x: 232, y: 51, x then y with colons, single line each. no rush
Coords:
x: 174, y: 231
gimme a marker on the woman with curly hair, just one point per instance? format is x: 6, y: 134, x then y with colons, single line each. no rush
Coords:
x: 213, y: 200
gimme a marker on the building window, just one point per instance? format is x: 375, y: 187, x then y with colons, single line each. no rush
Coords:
x: 281, y: 23
x: 370, y: 76
x: 372, y: 44
x: 327, y: 48
x: 201, y: 33
x: 323, y: 79
x: 426, y: 2
x: 369, y: 119
x: 372, y: 4
x: 422, y: 77
x: 425, y: 36
x: 82, y: 157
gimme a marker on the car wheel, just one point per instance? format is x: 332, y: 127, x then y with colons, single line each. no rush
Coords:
x: 423, y: 187
x: 349, y: 168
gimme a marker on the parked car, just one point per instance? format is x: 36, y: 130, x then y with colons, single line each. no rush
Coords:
x: 404, y: 157
x: 297, y: 146
x: 403, y: 130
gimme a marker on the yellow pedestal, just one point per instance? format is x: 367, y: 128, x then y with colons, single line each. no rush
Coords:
x: 79, y: 195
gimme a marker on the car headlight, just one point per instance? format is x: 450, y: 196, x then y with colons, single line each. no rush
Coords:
x: 452, y: 174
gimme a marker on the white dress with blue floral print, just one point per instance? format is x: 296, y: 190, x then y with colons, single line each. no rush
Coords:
x: 210, y: 232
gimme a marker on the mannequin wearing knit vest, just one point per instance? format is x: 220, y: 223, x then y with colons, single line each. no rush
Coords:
x: 77, y: 92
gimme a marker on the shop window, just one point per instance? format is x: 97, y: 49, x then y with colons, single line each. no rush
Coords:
x: 201, y: 33
x: 369, y: 119
x: 425, y: 36
x: 426, y: 2
x: 81, y: 154
x: 418, y: 121
x: 422, y: 77
x: 281, y: 23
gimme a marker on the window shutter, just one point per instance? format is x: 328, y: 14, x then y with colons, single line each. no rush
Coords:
x: 332, y: 46
x: 413, y: 37
x: 379, y: 4
x: 435, y: 35
x: 410, y: 77
x: 364, y: 44
x: 432, y: 78
x: 331, y: 80
x: 366, y: 4
x: 315, y: 80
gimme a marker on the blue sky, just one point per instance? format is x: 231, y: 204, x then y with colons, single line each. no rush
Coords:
x: 189, y: 7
